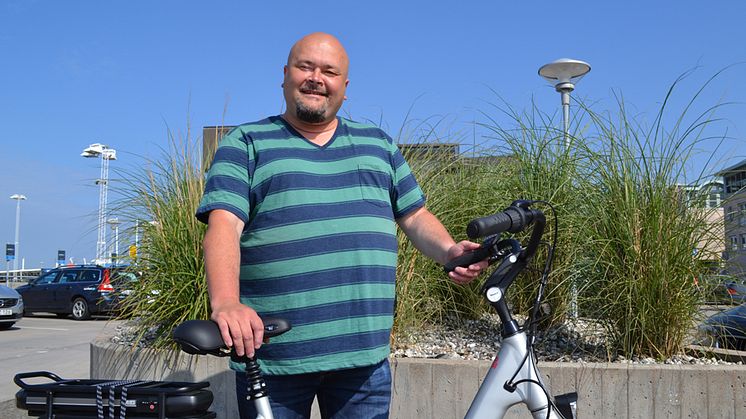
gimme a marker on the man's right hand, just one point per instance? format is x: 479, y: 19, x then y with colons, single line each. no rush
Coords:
x: 240, y: 327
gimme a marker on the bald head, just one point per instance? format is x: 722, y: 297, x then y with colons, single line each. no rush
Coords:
x: 324, y: 41
x: 315, y: 79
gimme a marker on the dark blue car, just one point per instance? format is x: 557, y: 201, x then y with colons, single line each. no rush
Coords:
x: 79, y: 291
x: 726, y: 330
x: 733, y: 291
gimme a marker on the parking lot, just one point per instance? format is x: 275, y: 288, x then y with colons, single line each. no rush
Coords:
x: 46, y: 342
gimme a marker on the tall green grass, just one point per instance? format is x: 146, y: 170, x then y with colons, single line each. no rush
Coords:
x: 548, y: 167
x: 457, y: 189
x: 645, y: 233
x: 161, y: 197
x: 627, y: 233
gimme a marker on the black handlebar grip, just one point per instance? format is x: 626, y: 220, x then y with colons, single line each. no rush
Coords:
x: 468, y: 258
x: 489, y: 225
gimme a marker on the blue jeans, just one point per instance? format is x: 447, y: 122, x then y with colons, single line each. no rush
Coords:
x: 356, y: 393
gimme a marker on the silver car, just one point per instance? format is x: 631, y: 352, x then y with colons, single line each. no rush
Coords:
x: 11, y: 307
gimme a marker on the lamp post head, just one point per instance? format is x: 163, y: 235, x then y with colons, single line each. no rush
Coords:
x: 99, y: 150
x: 93, y: 150
x: 18, y: 197
x: 564, y: 73
x: 110, y: 154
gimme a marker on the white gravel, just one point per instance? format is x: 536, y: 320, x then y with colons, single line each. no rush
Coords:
x: 577, y: 341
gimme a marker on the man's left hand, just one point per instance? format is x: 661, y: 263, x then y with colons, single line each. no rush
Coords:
x: 462, y: 275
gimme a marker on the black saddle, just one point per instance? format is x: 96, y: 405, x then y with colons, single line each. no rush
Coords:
x: 202, y: 337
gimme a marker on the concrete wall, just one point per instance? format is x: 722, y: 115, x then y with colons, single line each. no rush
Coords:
x: 444, y: 388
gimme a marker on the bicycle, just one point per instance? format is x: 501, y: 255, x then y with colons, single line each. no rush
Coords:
x: 514, y: 377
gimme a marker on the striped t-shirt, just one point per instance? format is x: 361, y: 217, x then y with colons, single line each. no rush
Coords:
x: 319, y: 243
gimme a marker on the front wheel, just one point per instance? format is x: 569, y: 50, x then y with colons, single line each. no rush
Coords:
x: 80, y: 310
x: 6, y: 326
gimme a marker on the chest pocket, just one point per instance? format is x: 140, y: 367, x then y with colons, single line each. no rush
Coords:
x: 375, y: 184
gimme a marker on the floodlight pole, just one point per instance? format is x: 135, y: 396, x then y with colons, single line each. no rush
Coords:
x: 103, y: 191
x: 106, y: 154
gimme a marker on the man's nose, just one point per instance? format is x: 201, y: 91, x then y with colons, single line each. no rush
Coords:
x: 316, y: 76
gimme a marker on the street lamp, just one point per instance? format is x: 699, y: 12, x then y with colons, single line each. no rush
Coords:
x: 18, y: 198
x: 97, y: 150
x: 114, y: 223
x: 564, y: 74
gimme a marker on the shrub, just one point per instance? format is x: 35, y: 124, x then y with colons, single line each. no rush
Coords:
x: 161, y: 197
x: 644, y: 233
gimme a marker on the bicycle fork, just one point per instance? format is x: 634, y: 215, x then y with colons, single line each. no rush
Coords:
x: 503, y: 387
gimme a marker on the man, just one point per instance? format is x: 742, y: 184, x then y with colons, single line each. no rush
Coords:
x: 302, y: 211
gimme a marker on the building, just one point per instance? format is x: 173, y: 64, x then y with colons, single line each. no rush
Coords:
x: 425, y: 151
x: 210, y: 138
x: 705, y: 199
x: 734, y: 204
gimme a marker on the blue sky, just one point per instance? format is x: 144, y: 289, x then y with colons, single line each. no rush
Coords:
x: 124, y: 72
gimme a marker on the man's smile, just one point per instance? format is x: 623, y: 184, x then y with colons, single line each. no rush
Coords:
x: 307, y: 91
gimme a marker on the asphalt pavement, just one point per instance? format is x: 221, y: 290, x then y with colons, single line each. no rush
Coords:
x: 48, y: 343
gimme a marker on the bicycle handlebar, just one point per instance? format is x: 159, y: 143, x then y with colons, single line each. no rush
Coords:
x: 514, y: 219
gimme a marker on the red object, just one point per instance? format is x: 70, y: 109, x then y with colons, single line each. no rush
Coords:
x: 494, y: 363
x: 105, y: 285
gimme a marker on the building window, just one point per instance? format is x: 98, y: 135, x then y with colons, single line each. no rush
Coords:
x: 735, y: 182
x: 734, y: 243
x: 743, y: 241
x: 729, y: 213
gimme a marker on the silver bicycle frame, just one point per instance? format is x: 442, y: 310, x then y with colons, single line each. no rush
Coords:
x: 493, y: 400
x: 263, y: 409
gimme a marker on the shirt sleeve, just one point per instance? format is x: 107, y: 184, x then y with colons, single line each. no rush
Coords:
x: 228, y: 181
x: 407, y: 195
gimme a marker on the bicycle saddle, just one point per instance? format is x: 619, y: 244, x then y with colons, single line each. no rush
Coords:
x: 202, y: 337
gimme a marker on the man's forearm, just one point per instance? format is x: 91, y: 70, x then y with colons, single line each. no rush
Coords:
x: 222, y: 261
x: 427, y: 234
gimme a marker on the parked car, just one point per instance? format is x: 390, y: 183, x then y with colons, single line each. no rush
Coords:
x: 726, y: 330
x: 732, y: 290
x: 722, y: 289
x: 11, y: 307
x: 79, y: 291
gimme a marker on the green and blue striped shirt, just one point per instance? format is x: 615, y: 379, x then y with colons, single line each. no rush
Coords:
x: 319, y: 243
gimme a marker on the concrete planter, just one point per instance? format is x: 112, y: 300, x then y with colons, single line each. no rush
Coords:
x: 443, y: 389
